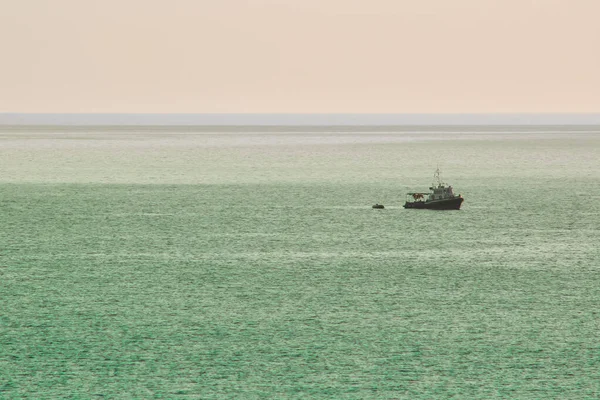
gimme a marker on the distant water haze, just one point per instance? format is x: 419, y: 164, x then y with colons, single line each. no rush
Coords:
x: 245, y: 154
x: 299, y: 119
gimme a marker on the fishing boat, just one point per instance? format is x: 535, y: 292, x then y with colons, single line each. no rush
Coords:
x: 440, y: 197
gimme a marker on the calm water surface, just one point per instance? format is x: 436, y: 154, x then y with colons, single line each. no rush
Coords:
x: 248, y: 263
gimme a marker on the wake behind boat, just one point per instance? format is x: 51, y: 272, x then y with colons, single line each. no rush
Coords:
x: 440, y: 197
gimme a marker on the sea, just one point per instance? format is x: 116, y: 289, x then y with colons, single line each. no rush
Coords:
x: 248, y: 262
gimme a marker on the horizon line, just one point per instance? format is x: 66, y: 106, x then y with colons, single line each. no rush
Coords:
x: 295, y: 119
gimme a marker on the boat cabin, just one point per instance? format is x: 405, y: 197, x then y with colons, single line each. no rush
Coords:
x: 441, y: 192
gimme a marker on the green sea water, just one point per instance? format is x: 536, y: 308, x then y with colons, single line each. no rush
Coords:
x: 248, y: 263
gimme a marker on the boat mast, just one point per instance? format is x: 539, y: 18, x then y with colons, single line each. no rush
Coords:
x: 437, y: 177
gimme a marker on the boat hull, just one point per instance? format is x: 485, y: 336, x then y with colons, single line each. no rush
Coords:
x: 446, y: 204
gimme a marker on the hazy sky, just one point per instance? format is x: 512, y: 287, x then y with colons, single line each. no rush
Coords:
x: 306, y: 56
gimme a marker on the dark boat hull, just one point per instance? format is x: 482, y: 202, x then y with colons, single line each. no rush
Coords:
x: 447, y: 204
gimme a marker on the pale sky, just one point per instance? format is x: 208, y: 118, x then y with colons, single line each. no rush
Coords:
x: 299, y: 56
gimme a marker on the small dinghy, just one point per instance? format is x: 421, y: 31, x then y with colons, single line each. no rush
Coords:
x: 379, y: 206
